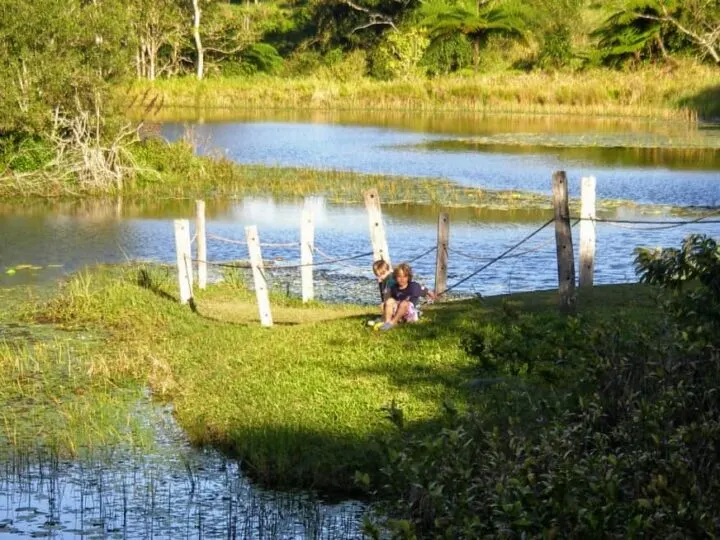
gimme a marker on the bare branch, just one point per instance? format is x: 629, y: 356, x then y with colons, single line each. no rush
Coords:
x: 376, y: 18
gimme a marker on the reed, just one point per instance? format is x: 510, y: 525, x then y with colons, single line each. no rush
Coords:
x: 682, y: 93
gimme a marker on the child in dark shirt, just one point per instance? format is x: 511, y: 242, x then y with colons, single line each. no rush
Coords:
x: 401, y: 306
x: 385, y: 278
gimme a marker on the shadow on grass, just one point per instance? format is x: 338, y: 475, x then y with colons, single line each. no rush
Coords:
x: 327, y: 462
x: 706, y: 103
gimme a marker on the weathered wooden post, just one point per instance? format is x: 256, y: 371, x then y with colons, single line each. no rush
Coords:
x: 441, y: 255
x: 261, y: 287
x: 307, y: 246
x: 587, y: 232
x: 201, y: 244
x: 377, y: 229
x: 184, y: 259
x: 563, y: 240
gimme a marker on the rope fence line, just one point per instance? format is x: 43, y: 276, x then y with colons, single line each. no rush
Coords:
x: 564, y: 222
x: 496, y: 259
x: 271, y: 266
x: 656, y: 225
x: 228, y: 240
x: 329, y: 259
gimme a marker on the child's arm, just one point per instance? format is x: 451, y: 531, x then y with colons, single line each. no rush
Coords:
x: 429, y: 294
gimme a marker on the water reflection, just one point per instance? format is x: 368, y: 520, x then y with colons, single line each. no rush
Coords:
x: 605, y: 156
x: 406, y: 149
x: 173, y: 491
x: 65, y: 235
x: 447, y: 122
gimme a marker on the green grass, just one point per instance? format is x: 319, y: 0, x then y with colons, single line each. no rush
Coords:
x: 64, y: 388
x: 306, y: 402
x: 685, y: 92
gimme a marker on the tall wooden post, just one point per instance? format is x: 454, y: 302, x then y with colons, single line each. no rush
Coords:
x: 587, y: 232
x: 441, y: 256
x: 377, y: 229
x: 184, y: 259
x: 563, y: 240
x: 261, y: 287
x: 307, y: 246
x: 201, y: 244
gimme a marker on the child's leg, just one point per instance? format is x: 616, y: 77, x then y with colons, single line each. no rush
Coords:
x: 400, y: 312
x: 389, y: 309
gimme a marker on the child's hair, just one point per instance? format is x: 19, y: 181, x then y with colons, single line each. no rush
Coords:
x: 403, y: 268
x: 379, y: 266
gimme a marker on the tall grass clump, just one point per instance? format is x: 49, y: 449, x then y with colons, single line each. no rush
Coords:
x: 671, y: 93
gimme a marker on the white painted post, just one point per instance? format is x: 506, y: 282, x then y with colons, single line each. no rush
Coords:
x: 441, y: 255
x: 184, y: 259
x: 307, y: 245
x: 261, y: 288
x: 377, y: 229
x: 201, y: 244
x: 587, y: 232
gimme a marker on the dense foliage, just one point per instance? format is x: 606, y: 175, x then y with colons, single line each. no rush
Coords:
x: 590, y: 429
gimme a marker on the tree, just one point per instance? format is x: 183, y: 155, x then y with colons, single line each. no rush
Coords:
x: 476, y: 19
x: 157, y: 24
x: 58, y: 57
x: 639, y: 23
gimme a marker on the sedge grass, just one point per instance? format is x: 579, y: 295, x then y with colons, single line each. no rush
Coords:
x: 306, y: 402
x: 682, y: 93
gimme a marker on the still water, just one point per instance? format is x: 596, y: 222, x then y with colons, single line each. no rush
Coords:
x: 170, y: 491
x: 45, y: 243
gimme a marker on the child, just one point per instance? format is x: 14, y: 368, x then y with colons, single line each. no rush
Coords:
x: 386, y: 281
x: 404, y: 296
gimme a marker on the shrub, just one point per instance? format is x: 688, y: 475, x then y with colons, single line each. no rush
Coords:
x: 624, y: 443
x: 400, y: 53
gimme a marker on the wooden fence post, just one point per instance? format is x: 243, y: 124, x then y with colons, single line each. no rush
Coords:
x: 377, y: 229
x: 261, y: 288
x: 587, y: 232
x: 201, y: 244
x: 307, y: 246
x: 184, y: 259
x: 563, y: 240
x: 441, y: 255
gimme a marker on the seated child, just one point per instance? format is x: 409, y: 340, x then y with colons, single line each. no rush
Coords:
x: 404, y: 296
x: 386, y: 281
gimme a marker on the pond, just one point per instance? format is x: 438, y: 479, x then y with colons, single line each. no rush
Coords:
x: 178, y: 491
x: 171, y: 490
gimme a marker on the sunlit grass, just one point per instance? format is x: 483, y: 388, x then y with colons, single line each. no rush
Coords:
x: 304, y: 403
x: 646, y: 92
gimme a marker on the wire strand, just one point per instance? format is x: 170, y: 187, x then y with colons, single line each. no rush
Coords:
x: 496, y: 259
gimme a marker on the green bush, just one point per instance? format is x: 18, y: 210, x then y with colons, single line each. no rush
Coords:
x: 622, y: 442
x: 445, y: 56
x: 556, y: 50
x: 257, y: 58
x: 24, y: 153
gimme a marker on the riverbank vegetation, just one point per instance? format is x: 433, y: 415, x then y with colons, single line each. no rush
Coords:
x: 681, y: 94
x: 489, y: 416
x: 303, y: 404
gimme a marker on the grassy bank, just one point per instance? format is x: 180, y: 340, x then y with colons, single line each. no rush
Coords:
x: 685, y: 92
x: 303, y: 404
x: 67, y: 388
